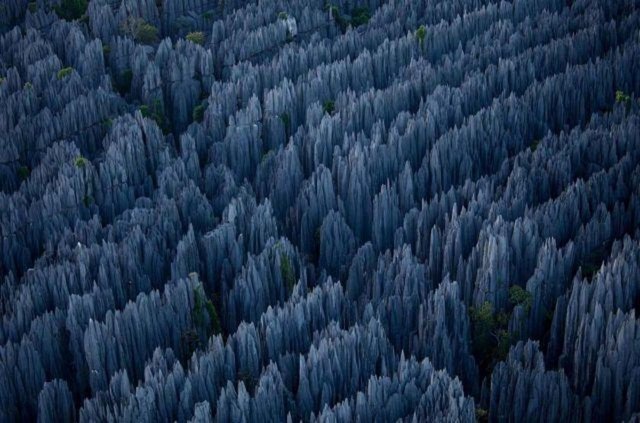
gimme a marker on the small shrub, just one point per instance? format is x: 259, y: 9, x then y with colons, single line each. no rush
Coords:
x: 286, y: 121
x: 266, y: 156
x: 23, y: 172
x: 196, y: 37
x: 534, y: 145
x: 106, y: 50
x: 80, y: 162
x: 147, y: 33
x: 622, y: 97
x: 482, y: 415
x: 141, y: 31
x: 123, y: 83
x: 286, y: 270
x: 421, y: 34
x: 64, y: 72
x: 201, y: 305
x: 208, y: 15
x: 283, y: 15
x: 28, y: 85
x: 360, y: 16
x: 71, y: 9
x: 215, y: 327
x: 329, y: 107
x: 337, y: 16
x: 520, y: 296
x: 198, y: 111
x: 33, y: 7
x: 155, y: 111
x: 144, y: 110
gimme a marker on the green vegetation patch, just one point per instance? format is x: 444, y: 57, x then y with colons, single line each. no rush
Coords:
x: 80, y: 162
x: 520, y: 296
x: 360, y: 16
x: 64, y: 72
x: 421, y: 34
x: 198, y: 111
x: 71, y: 10
x: 204, y: 314
x: 286, y: 270
x: 329, y: 107
x: 491, y: 340
x: 146, y: 33
x: 622, y: 97
x: 23, y: 172
x: 196, y: 37
x: 123, y: 82
x: 141, y: 31
x: 155, y: 111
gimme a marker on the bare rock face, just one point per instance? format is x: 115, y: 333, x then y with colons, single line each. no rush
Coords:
x: 521, y: 384
x: 417, y: 210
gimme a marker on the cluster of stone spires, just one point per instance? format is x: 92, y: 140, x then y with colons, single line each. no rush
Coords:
x: 417, y: 210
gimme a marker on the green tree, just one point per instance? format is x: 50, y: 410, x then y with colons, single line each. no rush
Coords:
x: 147, y: 33
x: 520, y: 296
x: 205, y: 320
x: 360, y: 16
x: 337, y: 17
x: 141, y: 31
x: 491, y: 340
